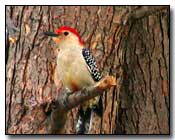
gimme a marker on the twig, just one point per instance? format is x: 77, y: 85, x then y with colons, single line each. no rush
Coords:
x: 139, y: 12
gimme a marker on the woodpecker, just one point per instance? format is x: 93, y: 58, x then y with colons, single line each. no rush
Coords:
x: 77, y: 68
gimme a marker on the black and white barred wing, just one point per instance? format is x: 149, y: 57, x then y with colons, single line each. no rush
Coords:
x: 92, y: 65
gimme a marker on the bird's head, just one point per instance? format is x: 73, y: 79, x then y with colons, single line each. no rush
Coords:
x: 65, y: 37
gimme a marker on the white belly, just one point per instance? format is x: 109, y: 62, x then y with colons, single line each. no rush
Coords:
x: 73, y: 70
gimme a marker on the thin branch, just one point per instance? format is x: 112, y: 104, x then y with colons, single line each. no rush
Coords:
x: 68, y: 101
x: 140, y: 12
x: 146, y: 11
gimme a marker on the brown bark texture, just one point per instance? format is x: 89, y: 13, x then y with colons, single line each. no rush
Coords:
x: 129, y: 42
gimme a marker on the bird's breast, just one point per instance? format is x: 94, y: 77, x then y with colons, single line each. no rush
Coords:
x: 72, y: 70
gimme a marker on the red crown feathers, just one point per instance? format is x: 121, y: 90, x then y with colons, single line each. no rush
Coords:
x: 72, y: 30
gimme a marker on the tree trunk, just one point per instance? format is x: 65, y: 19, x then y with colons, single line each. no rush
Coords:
x: 129, y: 42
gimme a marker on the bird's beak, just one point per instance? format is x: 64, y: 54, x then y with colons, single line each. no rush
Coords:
x: 52, y: 34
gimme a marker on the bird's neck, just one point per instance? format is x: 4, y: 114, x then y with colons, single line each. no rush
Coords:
x: 70, y: 46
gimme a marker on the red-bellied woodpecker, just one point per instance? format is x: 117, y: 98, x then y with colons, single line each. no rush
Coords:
x: 77, y: 68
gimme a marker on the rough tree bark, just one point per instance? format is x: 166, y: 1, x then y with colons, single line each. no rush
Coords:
x: 130, y: 43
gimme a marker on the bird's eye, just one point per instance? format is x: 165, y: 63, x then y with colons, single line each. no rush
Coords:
x: 66, y: 33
